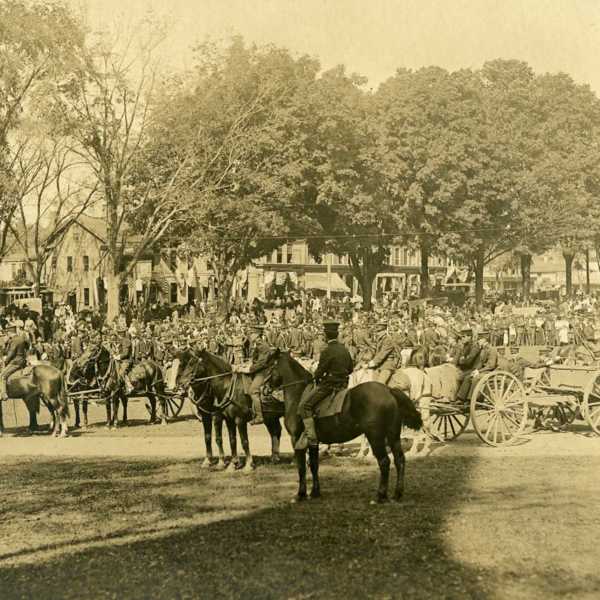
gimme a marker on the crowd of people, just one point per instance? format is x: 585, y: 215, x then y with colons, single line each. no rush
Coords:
x: 160, y: 331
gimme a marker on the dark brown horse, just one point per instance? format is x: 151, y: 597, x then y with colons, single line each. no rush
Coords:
x: 370, y: 408
x: 45, y: 383
x: 97, y: 370
x: 224, y: 403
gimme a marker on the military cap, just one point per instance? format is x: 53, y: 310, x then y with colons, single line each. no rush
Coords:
x: 331, y: 326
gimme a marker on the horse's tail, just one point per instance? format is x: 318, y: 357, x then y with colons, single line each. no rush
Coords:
x: 409, y: 415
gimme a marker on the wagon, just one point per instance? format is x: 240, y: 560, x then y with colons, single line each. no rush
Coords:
x: 503, y: 408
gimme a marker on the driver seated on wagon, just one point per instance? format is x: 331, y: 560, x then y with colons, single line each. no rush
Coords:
x: 478, y: 357
x: 332, y: 374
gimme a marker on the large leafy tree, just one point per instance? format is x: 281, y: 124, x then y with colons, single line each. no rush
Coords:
x: 327, y: 167
x: 218, y: 129
x: 427, y: 118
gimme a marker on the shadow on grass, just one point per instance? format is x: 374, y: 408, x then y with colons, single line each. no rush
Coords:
x: 254, y: 543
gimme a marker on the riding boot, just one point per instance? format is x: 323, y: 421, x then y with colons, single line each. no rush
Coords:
x: 308, y: 436
x: 257, y: 410
x: 3, y: 390
x: 128, y: 386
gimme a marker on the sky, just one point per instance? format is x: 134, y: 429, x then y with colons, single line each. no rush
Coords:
x: 375, y: 37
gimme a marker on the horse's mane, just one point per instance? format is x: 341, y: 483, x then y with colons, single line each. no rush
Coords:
x: 219, y: 362
x: 296, y: 367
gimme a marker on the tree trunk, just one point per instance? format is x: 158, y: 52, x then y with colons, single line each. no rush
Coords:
x: 112, y: 297
x: 526, y: 276
x: 479, y: 264
x: 424, y: 269
x: 569, y: 273
x: 366, y: 288
x: 224, y: 295
x: 587, y: 272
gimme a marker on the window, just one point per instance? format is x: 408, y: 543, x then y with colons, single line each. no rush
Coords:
x: 289, y: 255
x: 86, y: 296
x: 69, y: 264
x: 279, y: 260
x: 396, y: 259
x: 86, y: 263
x: 174, y: 293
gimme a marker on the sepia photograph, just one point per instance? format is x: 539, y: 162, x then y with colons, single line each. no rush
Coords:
x: 299, y: 299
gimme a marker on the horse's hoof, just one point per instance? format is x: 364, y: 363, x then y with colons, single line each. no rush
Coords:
x: 205, y: 464
x: 220, y: 466
x: 276, y: 459
x: 231, y: 468
x: 299, y: 498
x: 315, y: 495
x: 249, y: 468
x: 164, y: 422
x: 398, y: 497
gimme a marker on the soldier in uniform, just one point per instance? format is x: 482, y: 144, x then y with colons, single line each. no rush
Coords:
x: 387, y: 357
x: 15, y: 359
x: 125, y: 356
x: 260, y: 351
x: 334, y: 368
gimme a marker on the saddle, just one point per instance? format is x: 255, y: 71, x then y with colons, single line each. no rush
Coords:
x: 330, y: 406
x: 24, y: 372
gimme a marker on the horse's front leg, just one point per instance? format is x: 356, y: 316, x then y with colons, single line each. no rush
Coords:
x: 109, y: 404
x: 231, y: 429
x: 242, y: 426
x: 218, y: 421
x: 207, y: 426
x: 84, y: 406
x: 151, y: 406
x: 274, y: 428
x: 163, y: 408
x: 1, y: 420
x: 124, y: 401
x: 313, y: 460
x: 301, y: 466
x: 76, y: 407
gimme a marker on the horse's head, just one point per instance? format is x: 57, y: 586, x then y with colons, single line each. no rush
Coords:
x: 191, y: 366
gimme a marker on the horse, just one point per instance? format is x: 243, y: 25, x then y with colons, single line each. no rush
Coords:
x: 370, y: 408
x: 96, y: 369
x: 225, y: 400
x: 45, y: 383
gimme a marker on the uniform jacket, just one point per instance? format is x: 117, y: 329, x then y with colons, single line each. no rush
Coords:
x: 386, y: 358
x: 487, y: 359
x: 260, y: 355
x: 469, y: 356
x: 16, y: 349
x: 125, y: 348
x: 335, y: 365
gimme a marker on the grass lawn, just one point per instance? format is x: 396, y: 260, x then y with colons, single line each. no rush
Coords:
x: 470, y: 527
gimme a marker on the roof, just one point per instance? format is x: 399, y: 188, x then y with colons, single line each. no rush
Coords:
x: 319, y: 281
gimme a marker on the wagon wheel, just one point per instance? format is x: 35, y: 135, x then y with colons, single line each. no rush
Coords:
x: 590, y: 406
x: 446, y: 426
x: 174, y: 404
x: 560, y: 416
x: 499, y: 408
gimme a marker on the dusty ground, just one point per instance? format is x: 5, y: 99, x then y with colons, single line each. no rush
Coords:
x: 130, y: 514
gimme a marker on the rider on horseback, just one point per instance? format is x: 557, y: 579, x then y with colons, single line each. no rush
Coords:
x: 260, y: 353
x: 388, y: 355
x: 334, y: 368
x: 15, y: 359
x: 125, y: 357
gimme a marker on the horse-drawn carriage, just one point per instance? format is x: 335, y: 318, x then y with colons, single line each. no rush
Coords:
x: 503, y: 407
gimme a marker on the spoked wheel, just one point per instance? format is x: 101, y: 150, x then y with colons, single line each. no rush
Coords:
x: 499, y: 409
x: 447, y: 425
x: 174, y: 404
x: 590, y: 406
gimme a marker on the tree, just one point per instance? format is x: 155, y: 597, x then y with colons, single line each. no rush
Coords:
x: 103, y: 108
x: 219, y: 129
x: 37, y: 41
x: 48, y: 201
x: 327, y: 168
